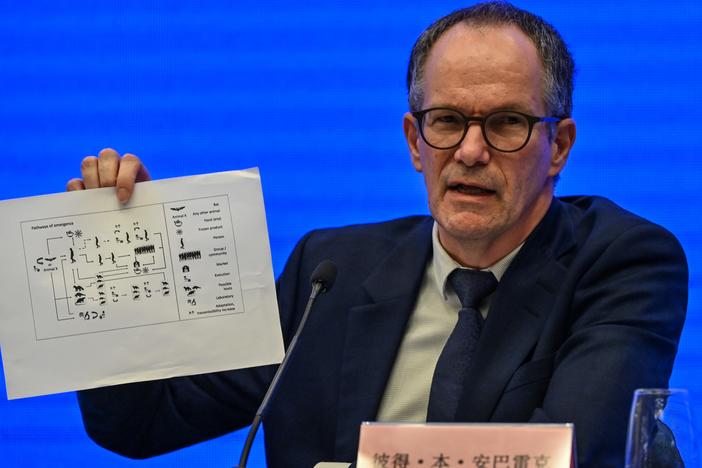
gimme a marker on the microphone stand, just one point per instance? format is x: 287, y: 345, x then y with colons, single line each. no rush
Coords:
x: 319, y: 284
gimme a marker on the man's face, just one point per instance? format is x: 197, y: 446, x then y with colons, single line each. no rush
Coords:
x: 485, y: 201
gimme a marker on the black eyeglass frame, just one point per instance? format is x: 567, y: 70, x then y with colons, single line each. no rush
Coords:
x: 531, y: 119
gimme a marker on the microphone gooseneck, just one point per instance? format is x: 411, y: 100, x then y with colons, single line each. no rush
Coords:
x: 322, y: 280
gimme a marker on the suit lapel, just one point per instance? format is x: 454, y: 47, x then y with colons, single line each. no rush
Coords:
x: 374, y: 332
x: 377, y: 324
x: 519, y: 308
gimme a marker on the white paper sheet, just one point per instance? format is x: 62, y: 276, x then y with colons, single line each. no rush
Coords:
x: 177, y: 282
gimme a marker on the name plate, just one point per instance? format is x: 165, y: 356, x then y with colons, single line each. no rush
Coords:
x: 386, y: 445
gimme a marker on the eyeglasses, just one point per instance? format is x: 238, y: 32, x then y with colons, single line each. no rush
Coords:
x: 505, y: 131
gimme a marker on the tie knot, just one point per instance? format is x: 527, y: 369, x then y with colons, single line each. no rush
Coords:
x: 472, y: 286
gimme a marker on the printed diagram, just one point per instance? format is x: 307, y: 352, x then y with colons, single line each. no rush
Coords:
x: 132, y: 267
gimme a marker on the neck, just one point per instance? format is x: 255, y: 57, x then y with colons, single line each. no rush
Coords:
x: 483, y: 252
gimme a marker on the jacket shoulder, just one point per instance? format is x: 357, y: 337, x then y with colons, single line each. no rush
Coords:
x: 598, y: 218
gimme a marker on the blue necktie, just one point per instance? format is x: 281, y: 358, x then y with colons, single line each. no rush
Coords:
x: 472, y: 286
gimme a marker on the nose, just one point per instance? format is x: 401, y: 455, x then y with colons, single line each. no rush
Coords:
x: 473, y: 149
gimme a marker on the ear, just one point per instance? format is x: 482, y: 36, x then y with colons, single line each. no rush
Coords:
x: 409, y: 127
x: 563, y: 141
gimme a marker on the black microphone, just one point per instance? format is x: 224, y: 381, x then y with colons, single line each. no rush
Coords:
x: 322, y: 280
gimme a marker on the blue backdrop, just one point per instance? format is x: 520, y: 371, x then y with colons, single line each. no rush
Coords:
x: 313, y: 93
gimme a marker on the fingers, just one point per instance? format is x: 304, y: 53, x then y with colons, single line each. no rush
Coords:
x: 131, y: 170
x: 100, y: 171
x: 108, y: 166
x: 111, y: 170
x: 89, y: 171
x: 75, y: 184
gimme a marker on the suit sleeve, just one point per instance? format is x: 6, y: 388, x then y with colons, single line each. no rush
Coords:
x: 628, y: 310
x: 144, y: 419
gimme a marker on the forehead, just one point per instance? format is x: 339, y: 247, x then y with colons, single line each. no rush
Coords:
x: 478, y: 68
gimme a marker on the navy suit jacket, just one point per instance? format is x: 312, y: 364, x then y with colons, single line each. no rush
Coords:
x: 590, y: 309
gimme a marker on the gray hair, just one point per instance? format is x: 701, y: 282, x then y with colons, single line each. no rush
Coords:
x: 556, y: 59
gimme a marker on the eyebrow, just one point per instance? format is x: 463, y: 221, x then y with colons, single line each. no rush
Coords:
x: 513, y: 106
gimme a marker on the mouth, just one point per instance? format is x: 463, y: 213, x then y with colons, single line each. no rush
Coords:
x: 467, y: 189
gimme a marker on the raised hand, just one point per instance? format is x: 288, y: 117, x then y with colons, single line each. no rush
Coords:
x: 109, y: 169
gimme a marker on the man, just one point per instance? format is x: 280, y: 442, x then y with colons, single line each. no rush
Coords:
x: 589, y: 305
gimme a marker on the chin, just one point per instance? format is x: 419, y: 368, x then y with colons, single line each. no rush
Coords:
x: 467, y: 226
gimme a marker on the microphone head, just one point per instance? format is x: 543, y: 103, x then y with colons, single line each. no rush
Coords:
x: 324, y: 274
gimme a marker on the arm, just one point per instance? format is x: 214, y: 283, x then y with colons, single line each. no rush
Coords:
x: 628, y: 307
x: 147, y: 418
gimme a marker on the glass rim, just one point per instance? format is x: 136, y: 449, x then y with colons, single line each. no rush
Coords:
x: 660, y: 391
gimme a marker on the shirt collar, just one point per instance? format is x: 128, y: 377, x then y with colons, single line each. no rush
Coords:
x: 444, y: 264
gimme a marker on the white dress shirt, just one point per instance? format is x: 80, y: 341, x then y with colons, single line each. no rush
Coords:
x: 435, y: 314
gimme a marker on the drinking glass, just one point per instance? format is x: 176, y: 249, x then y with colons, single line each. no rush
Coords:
x: 661, y: 431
